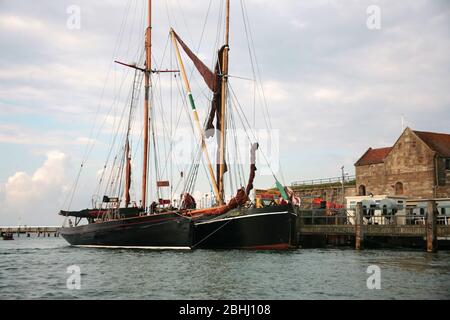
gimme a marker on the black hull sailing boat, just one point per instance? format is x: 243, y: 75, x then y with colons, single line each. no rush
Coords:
x: 236, y: 224
x: 132, y: 227
x: 160, y: 231
x: 270, y: 228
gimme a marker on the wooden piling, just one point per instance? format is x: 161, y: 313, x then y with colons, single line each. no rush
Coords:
x: 359, y: 228
x: 431, y: 226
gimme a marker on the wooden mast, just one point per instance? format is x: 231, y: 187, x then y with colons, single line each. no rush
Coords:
x: 148, y: 67
x: 127, y: 173
x: 223, y: 103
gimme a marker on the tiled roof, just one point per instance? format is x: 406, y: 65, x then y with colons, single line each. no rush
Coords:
x: 438, y: 142
x: 373, y: 156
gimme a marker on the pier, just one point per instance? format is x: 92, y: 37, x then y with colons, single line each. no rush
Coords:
x: 27, y: 231
x: 358, y: 228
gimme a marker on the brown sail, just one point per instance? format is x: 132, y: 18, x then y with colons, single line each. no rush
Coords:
x: 208, y: 75
x: 252, y: 168
x: 214, y: 83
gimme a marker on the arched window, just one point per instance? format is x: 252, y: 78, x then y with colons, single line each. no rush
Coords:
x: 362, y: 190
x: 399, y: 188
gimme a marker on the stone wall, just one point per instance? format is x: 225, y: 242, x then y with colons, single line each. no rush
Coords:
x: 331, y: 193
x: 443, y: 191
x: 442, y: 174
x: 409, y: 169
x: 372, y: 177
x: 410, y: 162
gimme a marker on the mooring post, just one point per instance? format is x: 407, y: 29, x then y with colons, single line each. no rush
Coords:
x: 359, y: 228
x: 431, y: 226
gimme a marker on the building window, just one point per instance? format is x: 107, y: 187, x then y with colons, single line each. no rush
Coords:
x: 447, y: 164
x: 443, y: 211
x: 399, y: 188
x: 362, y: 190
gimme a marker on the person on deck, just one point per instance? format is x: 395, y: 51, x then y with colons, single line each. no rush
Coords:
x: 188, y: 202
x: 153, y: 207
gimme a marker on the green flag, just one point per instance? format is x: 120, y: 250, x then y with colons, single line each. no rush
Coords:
x: 281, y: 189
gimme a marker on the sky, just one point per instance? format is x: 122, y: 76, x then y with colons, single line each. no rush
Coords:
x: 338, y: 77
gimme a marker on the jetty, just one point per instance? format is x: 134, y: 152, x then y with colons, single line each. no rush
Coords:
x: 28, y: 231
x: 359, y: 228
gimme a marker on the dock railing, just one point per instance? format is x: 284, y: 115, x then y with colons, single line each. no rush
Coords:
x: 332, y: 180
x: 360, y: 223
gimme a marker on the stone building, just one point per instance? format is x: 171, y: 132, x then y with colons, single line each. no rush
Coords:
x: 416, y: 166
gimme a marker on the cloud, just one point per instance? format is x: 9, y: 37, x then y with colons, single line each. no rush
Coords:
x: 35, y: 198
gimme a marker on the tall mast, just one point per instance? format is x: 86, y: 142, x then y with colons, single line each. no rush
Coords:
x: 127, y: 173
x: 148, y: 67
x: 223, y: 102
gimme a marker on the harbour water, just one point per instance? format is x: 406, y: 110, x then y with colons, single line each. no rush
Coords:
x: 37, y: 268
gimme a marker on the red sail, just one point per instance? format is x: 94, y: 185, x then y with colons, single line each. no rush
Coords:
x: 238, y: 200
x: 208, y: 75
x: 252, y: 168
x: 216, y: 105
x: 212, y: 80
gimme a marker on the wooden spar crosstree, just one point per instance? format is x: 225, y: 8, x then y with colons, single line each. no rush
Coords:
x: 223, y: 103
x: 197, y: 121
x: 148, y: 68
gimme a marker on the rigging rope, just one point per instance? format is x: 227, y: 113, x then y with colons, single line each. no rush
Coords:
x: 91, y: 142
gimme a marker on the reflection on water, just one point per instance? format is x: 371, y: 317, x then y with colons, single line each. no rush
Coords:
x: 36, y: 268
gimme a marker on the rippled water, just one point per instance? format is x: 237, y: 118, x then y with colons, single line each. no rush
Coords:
x: 36, y: 268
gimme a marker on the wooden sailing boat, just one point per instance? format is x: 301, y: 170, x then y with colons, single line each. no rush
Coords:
x: 236, y: 224
x: 132, y: 227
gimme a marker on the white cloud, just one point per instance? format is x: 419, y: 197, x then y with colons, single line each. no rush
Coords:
x: 84, y: 140
x: 325, y: 94
x: 34, y: 199
x: 16, y: 23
